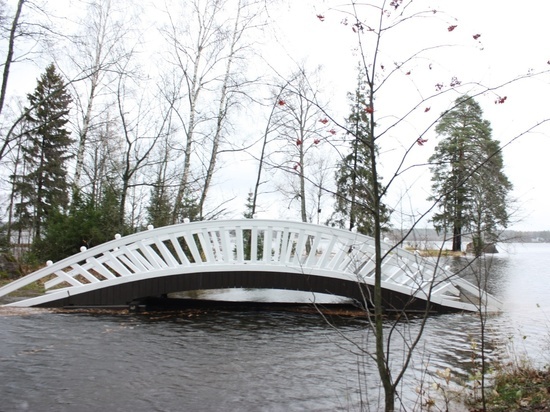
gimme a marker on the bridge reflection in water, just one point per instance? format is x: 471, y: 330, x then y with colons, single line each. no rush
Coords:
x: 248, y: 253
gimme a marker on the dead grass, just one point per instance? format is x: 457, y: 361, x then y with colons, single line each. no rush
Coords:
x: 518, y: 390
x: 436, y: 252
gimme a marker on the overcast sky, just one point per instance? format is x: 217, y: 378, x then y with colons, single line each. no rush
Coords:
x: 494, y: 41
x: 511, y: 41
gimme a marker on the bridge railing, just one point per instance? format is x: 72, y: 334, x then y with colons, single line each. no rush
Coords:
x: 248, y: 244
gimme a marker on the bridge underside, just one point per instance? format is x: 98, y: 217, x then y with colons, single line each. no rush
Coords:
x: 126, y: 293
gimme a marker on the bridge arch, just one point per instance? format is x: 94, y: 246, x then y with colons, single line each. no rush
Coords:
x: 247, y: 253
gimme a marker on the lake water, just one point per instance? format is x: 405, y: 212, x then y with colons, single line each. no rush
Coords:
x: 256, y: 361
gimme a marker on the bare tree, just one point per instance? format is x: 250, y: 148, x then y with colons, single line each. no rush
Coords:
x: 15, y: 162
x: 103, y: 162
x: 301, y: 129
x: 322, y: 174
x: 196, y: 43
x: 99, y: 46
x: 208, y: 40
x: 272, y: 125
x: 232, y: 86
x: 374, y: 24
x: 24, y: 31
x: 13, y: 32
x: 142, y: 126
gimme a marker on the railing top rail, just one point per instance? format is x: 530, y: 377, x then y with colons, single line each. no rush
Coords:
x: 193, y: 227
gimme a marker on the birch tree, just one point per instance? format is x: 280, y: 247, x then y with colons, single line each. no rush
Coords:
x: 24, y: 30
x: 101, y: 43
x: 231, y: 84
x: 10, y: 52
x: 208, y: 40
x: 195, y: 42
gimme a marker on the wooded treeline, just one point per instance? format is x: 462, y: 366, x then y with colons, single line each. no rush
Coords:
x: 152, y: 114
x: 156, y: 105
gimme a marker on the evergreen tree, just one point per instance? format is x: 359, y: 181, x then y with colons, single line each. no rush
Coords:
x: 468, y: 178
x: 87, y: 223
x: 247, y: 235
x: 43, y: 187
x: 159, y: 210
x: 354, y: 180
x: 188, y: 208
x: 109, y: 207
x: 249, y: 211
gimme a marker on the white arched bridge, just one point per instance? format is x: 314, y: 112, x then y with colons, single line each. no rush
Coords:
x: 248, y: 253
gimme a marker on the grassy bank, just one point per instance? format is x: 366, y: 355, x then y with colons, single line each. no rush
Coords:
x: 436, y: 252
x: 29, y: 291
x: 518, y: 389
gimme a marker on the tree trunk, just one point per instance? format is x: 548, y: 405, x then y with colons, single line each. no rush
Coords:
x: 83, y: 135
x: 13, y: 193
x: 457, y: 238
x: 9, y: 55
x: 382, y: 357
x: 190, y: 135
x: 303, y: 211
x: 7, y: 66
x: 262, y: 154
x: 222, y: 113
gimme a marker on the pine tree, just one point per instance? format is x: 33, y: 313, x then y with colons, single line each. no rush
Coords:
x: 468, y: 178
x: 247, y: 234
x: 87, y: 223
x: 188, y: 208
x: 160, y: 207
x: 249, y: 211
x: 354, y: 180
x: 43, y: 188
